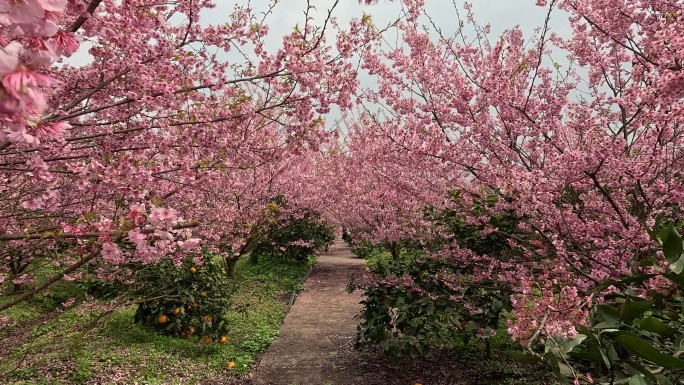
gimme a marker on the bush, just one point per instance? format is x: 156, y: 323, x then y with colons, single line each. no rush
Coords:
x: 187, y: 300
x: 417, y: 302
x: 635, y: 335
x: 295, y: 237
x: 411, y: 308
x: 366, y: 249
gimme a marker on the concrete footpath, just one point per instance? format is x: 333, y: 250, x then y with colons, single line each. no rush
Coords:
x: 315, y: 345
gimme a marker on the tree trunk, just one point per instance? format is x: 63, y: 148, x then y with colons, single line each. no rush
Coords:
x: 17, y: 268
x: 18, y: 288
x: 230, y: 265
x: 394, y: 250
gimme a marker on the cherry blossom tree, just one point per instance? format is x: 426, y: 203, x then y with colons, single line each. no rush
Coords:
x: 160, y: 144
x: 379, y: 191
x: 587, y: 154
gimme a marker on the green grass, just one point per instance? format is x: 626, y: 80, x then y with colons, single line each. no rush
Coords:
x: 378, y: 259
x: 58, y: 352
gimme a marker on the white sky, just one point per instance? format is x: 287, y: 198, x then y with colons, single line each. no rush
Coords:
x: 500, y: 14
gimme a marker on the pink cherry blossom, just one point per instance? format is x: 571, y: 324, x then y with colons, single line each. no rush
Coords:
x: 19, y: 82
x: 51, y: 130
x: 112, y: 254
x: 9, y: 57
x: 53, y: 5
x: 64, y: 43
x: 24, y: 11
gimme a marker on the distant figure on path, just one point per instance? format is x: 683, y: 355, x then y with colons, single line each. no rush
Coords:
x: 345, y: 235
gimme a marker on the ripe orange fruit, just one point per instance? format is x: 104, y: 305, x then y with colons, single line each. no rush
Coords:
x: 207, y: 319
x: 162, y: 319
x: 203, y: 294
x: 230, y: 365
x: 206, y: 340
x: 176, y: 311
x: 191, y: 329
x: 193, y: 270
x: 223, y: 340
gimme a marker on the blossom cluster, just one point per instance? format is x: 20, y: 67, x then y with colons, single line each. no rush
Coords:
x: 32, y: 40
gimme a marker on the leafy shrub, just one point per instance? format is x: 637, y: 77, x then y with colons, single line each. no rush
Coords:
x: 187, y: 300
x: 296, y: 236
x: 367, y: 249
x: 418, y: 301
x: 635, y: 335
x: 412, y: 308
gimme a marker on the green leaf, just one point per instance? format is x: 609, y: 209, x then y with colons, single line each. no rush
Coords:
x: 638, y: 367
x: 653, y: 235
x: 637, y: 380
x: 522, y: 357
x: 608, y: 314
x: 630, y: 310
x: 552, y: 360
x: 647, y: 262
x: 662, y: 380
x: 672, y: 244
x: 430, y: 309
x: 638, y: 278
x: 587, y: 356
x: 568, y: 345
x: 678, y: 266
x: 565, y: 369
x: 594, y: 343
x: 656, y: 326
x: 648, y: 352
x: 604, y: 325
x: 617, y: 332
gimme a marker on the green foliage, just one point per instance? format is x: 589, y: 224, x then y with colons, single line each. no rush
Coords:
x: 418, y: 302
x: 185, y: 300
x: 367, y: 250
x: 295, y: 237
x: 470, y: 236
x: 635, y: 336
x: 413, y: 308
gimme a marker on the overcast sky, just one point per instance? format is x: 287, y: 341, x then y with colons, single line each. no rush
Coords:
x: 500, y: 14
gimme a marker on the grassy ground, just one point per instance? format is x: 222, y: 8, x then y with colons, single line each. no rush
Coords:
x: 49, y: 349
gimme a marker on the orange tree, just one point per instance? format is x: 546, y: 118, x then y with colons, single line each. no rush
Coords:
x: 186, y: 300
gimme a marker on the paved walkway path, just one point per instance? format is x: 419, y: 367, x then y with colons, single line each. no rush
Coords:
x: 315, y: 345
